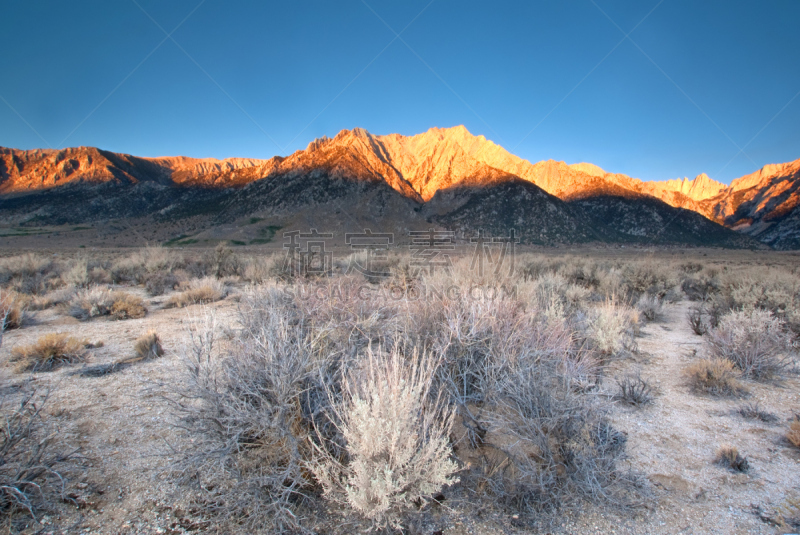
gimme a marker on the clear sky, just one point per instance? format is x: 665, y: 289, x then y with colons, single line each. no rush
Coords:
x: 692, y: 84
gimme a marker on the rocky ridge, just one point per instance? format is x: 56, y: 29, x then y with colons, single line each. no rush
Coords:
x: 419, y: 167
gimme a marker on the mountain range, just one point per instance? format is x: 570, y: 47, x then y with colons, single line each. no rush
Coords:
x: 444, y: 178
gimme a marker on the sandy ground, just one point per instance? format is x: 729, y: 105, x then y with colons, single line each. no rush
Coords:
x: 120, y: 422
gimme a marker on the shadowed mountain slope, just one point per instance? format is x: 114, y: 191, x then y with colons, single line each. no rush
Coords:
x: 446, y: 176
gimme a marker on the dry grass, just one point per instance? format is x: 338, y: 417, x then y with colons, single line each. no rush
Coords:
x: 126, y: 306
x: 730, y: 458
x: 714, y: 376
x: 13, y: 311
x: 94, y: 302
x: 148, y: 346
x: 200, y: 292
x: 49, y: 352
x: 793, y: 434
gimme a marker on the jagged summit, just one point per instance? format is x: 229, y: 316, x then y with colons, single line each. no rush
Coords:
x: 419, y: 167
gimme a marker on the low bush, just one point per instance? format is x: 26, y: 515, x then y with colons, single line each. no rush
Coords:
x: 89, y: 303
x: 93, y: 302
x: 160, y: 282
x: 301, y: 404
x: 634, y: 390
x: 13, y: 311
x: 61, y: 296
x: 33, y: 464
x: 138, y: 266
x: 126, y: 306
x: 752, y: 411
x: 730, y: 458
x: 199, y: 292
x: 29, y: 273
x: 223, y: 262
x: 49, y: 352
x: 608, y: 327
x: 700, y: 287
x: 753, y: 340
x: 650, y: 306
x: 84, y: 272
x: 148, y: 346
x: 396, y: 440
x: 695, y: 319
x: 713, y: 376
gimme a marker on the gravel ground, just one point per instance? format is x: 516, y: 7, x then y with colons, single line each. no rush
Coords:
x: 120, y: 422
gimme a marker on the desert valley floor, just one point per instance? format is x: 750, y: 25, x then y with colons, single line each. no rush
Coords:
x: 123, y: 428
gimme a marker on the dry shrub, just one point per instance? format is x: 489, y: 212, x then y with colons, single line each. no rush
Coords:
x: 127, y: 306
x: 730, y: 458
x: 29, y: 273
x: 650, y: 306
x: 647, y: 277
x: 695, y: 319
x: 93, y: 302
x: 83, y: 272
x: 250, y: 409
x: 283, y: 412
x: 753, y: 340
x: 32, y: 460
x: 90, y: 303
x: 789, y: 512
x: 395, y: 438
x: 61, y: 296
x: 199, y: 292
x: 13, y: 311
x: 752, y: 411
x: 223, y: 262
x: 793, y: 434
x: 148, y: 346
x: 161, y: 282
x: 545, y: 447
x: 713, y: 376
x: 608, y: 327
x: 700, y: 287
x: 634, y: 390
x: 144, y: 262
x: 49, y: 352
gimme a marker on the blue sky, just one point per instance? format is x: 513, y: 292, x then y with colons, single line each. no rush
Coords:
x: 691, y: 85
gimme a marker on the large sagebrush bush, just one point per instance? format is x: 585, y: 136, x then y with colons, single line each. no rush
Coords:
x: 396, y: 439
x: 249, y: 406
x: 754, y: 340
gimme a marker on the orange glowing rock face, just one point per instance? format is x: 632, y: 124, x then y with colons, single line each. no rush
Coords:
x: 416, y: 166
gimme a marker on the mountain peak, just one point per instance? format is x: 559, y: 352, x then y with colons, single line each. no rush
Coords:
x: 589, y: 169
